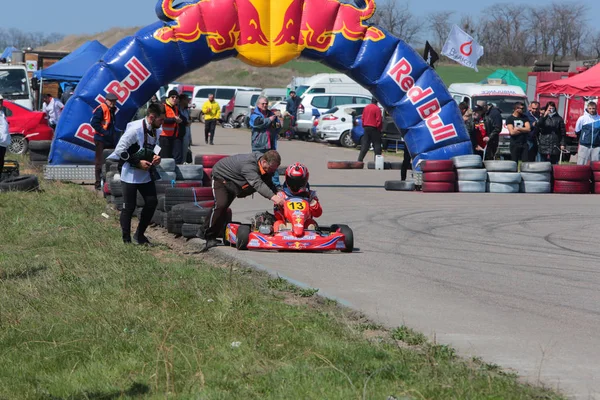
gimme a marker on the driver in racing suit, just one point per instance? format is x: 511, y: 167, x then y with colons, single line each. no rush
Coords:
x: 296, y: 185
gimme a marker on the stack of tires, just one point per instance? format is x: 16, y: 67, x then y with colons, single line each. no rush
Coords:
x: 208, y: 161
x: 536, y: 177
x: 572, y: 179
x: 596, y: 176
x: 503, y: 177
x: 38, y: 151
x: 167, y: 169
x: 471, y: 176
x: 438, y: 176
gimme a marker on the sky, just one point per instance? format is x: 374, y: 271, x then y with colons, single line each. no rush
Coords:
x: 73, y: 16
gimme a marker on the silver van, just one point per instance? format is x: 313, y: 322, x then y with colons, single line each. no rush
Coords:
x: 223, y: 94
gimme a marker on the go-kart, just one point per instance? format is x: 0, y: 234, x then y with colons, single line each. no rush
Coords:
x: 298, y: 232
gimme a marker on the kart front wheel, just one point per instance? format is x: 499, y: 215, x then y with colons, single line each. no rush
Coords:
x: 243, y: 235
x: 348, y: 236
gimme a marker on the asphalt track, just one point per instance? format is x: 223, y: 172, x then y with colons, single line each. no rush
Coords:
x: 510, y: 278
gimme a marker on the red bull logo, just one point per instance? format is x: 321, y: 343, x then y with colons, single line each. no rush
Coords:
x: 267, y: 32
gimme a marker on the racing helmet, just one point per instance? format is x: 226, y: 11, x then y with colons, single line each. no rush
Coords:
x: 296, y: 177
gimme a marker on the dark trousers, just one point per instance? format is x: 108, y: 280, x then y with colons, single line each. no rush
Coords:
x: 406, y: 165
x: 2, y: 154
x: 178, y: 151
x: 148, y: 192
x: 209, y: 129
x: 553, y: 158
x: 98, y: 161
x: 372, y: 135
x: 491, y: 149
x: 533, y: 151
x: 218, y: 218
x: 166, y: 144
x: 519, y: 152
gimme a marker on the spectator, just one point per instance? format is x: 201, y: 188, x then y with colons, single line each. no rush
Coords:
x: 170, y: 125
x: 240, y: 176
x: 212, y: 113
x: 406, y: 163
x: 492, y: 120
x: 372, y: 122
x: 180, y: 146
x: 551, y: 134
x: 465, y: 111
x: 4, y: 134
x: 67, y: 94
x: 136, y: 152
x: 587, y: 129
x: 477, y: 131
x: 291, y: 106
x: 533, y: 114
x: 518, y: 127
x: 154, y: 99
x: 53, y: 108
x: 105, y: 132
x: 265, y: 131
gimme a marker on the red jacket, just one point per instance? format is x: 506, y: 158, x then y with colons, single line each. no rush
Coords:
x: 371, y: 116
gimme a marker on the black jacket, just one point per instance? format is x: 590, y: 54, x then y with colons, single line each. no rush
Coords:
x: 493, y: 124
x: 551, y: 134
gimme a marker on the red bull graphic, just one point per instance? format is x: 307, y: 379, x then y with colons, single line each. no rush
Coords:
x: 267, y: 33
x: 305, y: 25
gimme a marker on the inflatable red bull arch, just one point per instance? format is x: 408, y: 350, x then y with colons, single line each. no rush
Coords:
x: 267, y: 33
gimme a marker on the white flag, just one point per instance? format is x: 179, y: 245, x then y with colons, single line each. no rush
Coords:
x: 462, y: 48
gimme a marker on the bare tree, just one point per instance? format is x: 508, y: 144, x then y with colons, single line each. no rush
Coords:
x: 467, y: 24
x: 398, y: 20
x: 439, y: 23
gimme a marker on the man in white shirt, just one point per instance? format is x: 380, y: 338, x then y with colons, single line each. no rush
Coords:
x: 53, y: 108
x: 138, y: 152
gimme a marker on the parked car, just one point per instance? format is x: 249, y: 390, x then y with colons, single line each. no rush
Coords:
x: 391, y: 136
x: 335, y: 125
x: 26, y: 125
x: 322, y: 102
x: 274, y: 95
x: 223, y: 94
x: 242, y: 103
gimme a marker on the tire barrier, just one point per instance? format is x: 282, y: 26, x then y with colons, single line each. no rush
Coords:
x: 572, y: 187
x: 168, y: 164
x: 469, y: 161
x: 572, y: 172
x: 504, y: 177
x: 399, y: 186
x: 445, y: 187
x: 189, y: 172
x: 209, y: 160
x: 536, y: 167
x: 21, y: 183
x: 500, y: 166
x: 471, y: 174
x: 496, y: 187
x: 345, y: 165
x: 441, y: 176
x: 467, y: 186
x: 386, y: 165
x: 536, y: 186
x: 192, y: 34
x: 437, y: 165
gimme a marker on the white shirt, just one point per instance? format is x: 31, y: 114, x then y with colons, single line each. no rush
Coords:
x: 134, y: 133
x: 53, y: 110
x: 4, y: 131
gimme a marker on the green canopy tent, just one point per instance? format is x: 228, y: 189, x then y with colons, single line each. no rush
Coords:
x: 508, y: 77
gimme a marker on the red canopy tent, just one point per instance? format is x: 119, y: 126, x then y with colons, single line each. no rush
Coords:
x: 585, y: 84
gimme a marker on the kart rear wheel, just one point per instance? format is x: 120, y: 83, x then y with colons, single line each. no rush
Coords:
x: 348, y: 236
x: 243, y: 236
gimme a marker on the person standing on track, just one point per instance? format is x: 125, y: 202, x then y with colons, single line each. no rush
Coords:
x: 212, y: 113
x: 372, y: 122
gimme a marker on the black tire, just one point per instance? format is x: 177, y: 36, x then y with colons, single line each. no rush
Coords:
x: 157, y: 218
x: 348, y: 236
x: 115, y: 187
x: 189, y: 172
x: 243, y: 237
x: 174, y: 196
x: 196, y: 215
x: 22, y: 183
x: 40, y: 146
x: 190, y: 230
x: 161, y: 203
x: 399, y: 186
x: 37, y: 155
x: 346, y: 140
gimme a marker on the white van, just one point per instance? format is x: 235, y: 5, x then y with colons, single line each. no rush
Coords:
x: 14, y: 85
x: 274, y: 95
x: 242, y: 103
x: 330, y: 83
x: 223, y: 94
x: 501, y: 96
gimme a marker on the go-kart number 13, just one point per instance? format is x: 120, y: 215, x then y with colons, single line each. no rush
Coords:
x: 296, y: 205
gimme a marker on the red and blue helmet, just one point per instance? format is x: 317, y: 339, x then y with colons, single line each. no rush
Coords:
x: 296, y: 177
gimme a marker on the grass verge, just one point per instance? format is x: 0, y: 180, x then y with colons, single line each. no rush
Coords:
x: 82, y: 316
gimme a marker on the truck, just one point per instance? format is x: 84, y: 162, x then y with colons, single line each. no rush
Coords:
x: 500, y: 95
x: 15, y: 85
x: 330, y: 83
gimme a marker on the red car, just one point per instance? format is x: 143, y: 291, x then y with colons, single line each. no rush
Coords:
x: 25, y: 126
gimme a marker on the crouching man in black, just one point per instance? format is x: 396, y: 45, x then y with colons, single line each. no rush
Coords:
x: 137, y: 154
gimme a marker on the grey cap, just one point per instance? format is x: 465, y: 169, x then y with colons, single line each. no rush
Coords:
x: 111, y: 97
